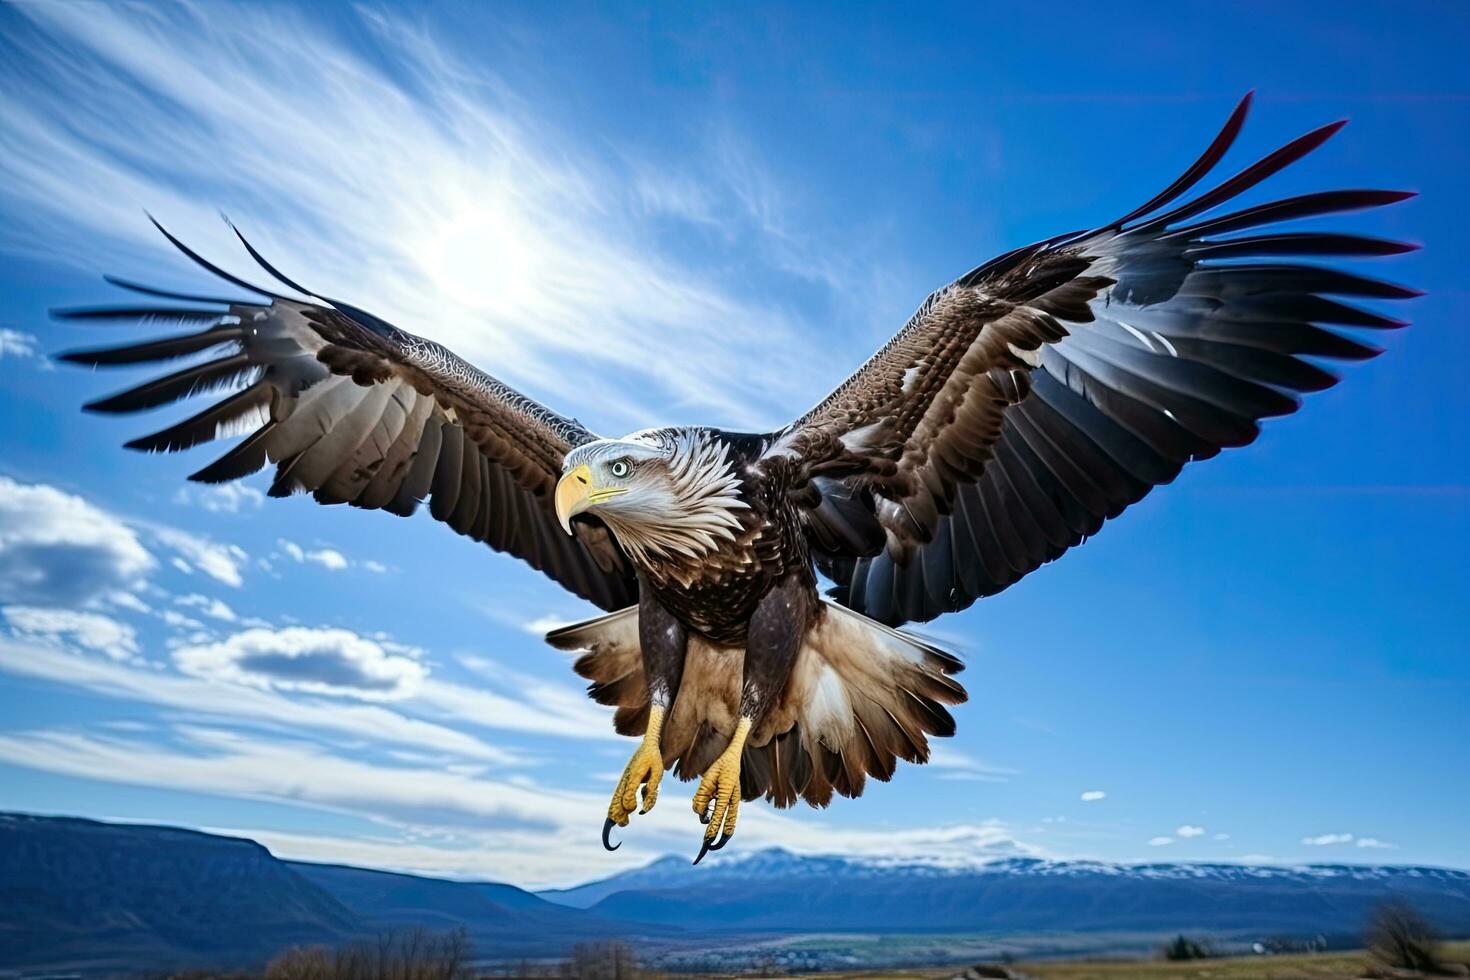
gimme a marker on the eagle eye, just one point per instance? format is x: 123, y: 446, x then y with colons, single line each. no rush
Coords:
x: 620, y: 468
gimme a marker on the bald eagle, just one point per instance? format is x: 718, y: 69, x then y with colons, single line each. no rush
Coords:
x: 1018, y: 409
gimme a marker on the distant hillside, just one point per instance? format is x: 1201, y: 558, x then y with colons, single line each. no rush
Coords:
x: 501, y: 919
x: 776, y: 891
x: 82, y: 892
x: 83, y: 895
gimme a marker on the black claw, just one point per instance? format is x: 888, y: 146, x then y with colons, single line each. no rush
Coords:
x: 606, y: 830
x: 704, y: 849
x: 724, y: 839
x: 704, y: 817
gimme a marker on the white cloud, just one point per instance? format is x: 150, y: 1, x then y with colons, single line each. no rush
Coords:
x: 221, y: 562
x: 1375, y: 843
x: 329, y: 558
x: 128, y: 601
x: 1221, y: 837
x: 221, y: 498
x: 177, y: 620
x: 91, y: 630
x: 1189, y: 830
x: 1325, y: 840
x: 370, y: 722
x: 1160, y: 841
x: 376, y: 567
x: 14, y: 343
x: 1093, y: 795
x: 209, y: 606
x: 57, y: 549
x: 297, y: 658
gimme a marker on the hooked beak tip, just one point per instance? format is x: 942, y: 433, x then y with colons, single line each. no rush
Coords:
x: 572, y: 495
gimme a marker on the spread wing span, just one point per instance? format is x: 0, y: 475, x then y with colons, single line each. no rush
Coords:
x: 353, y: 410
x: 1045, y: 391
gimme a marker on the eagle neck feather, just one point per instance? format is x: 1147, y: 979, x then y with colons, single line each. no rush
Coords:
x: 702, y: 508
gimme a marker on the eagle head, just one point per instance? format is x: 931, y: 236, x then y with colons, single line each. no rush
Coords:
x: 661, y: 492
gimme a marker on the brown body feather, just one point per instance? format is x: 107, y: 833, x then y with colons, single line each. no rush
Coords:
x: 861, y: 696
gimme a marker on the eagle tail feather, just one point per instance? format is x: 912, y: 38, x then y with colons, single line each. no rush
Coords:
x: 861, y: 697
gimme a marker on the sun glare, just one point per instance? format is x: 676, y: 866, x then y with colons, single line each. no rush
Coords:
x: 483, y: 259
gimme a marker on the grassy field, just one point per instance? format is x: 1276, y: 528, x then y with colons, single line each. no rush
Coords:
x: 1316, y: 966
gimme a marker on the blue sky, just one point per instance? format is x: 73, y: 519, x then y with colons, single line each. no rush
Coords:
x: 684, y: 215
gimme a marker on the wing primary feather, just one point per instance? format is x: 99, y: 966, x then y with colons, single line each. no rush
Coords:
x: 1206, y: 162
x: 176, y: 313
x: 1291, y: 208
x: 1268, y: 165
x: 136, y: 287
x: 261, y: 261
x: 210, y: 266
x: 180, y: 384
x: 165, y: 348
x: 1299, y: 243
x: 246, y: 458
x: 206, y: 425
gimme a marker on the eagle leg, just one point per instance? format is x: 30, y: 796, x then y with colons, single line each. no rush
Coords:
x: 772, y: 641
x: 645, y: 769
x: 662, y: 639
x: 720, y: 787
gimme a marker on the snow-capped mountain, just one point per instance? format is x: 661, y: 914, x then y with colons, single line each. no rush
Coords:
x: 778, y: 890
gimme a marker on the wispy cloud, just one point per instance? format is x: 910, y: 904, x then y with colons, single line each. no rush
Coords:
x: 419, y: 187
x: 950, y: 763
x: 240, y: 704
x: 1093, y: 795
x: 222, y: 562
x: 1160, y: 841
x: 518, y: 829
x: 326, y: 557
x: 1189, y: 830
x: 18, y: 344
x: 1327, y: 840
x: 223, y: 498
x: 208, y: 606
x: 93, y: 631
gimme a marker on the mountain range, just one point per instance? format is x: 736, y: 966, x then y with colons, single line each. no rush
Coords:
x: 776, y: 890
x: 95, y: 897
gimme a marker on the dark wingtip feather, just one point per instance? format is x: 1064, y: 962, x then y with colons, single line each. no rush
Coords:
x: 133, y: 313
x: 208, y: 265
x: 181, y: 384
x: 1202, y: 166
x: 261, y: 260
x: 161, y: 349
x: 1262, y: 169
x: 138, y: 287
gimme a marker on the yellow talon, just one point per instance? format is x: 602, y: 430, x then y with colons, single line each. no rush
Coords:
x: 645, y: 769
x: 721, y: 785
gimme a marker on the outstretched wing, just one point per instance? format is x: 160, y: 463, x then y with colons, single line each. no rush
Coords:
x: 353, y: 410
x: 1047, y: 390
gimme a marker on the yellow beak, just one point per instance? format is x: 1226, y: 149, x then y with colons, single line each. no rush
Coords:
x: 575, y: 492
x: 573, y: 495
